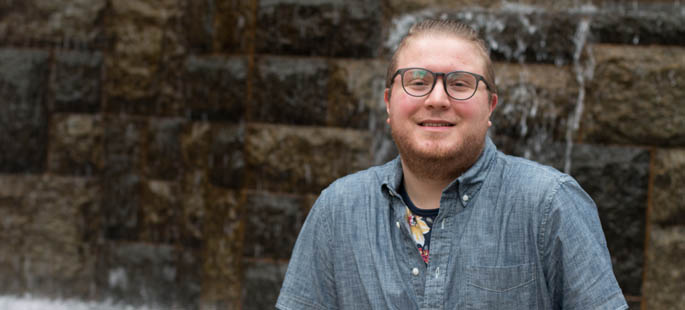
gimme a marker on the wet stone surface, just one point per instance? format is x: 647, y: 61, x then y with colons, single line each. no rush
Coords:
x: 664, y: 283
x: 23, y: 115
x: 534, y: 34
x: 226, y: 163
x: 148, y: 274
x: 50, y: 230
x: 133, y: 66
x: 222, y: 249
x: 70, y: 24
x: 334, y: 28
x: 76, y: 82
x: 532, y: 116
x: 122, y: 175
x: 617, y: 180
x: 634, y: 98
x: 262, y: 284
x: 303, y: 159
x: 215, y: 87
x: 290, y: 91
x: 163, y: 151
x: 76, y: 146
x: 668, y: 207
x: 273, y: 222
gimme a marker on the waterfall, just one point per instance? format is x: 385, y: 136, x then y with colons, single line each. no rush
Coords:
x: 583, y: 72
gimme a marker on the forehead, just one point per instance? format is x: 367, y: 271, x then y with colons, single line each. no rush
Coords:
x: 441, y: 52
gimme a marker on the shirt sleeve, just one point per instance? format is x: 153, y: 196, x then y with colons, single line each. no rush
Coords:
x: 309, y: 280
x: 576, y: 260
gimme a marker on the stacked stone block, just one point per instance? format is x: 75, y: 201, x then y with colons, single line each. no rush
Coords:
x: 166, y: 152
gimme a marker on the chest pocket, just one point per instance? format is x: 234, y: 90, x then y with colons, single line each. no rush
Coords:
x: 505, y: 287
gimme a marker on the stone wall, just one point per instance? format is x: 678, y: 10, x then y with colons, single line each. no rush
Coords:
x: 166, y: 152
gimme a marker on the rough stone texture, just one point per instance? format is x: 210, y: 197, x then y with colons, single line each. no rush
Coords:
x: 643, y: 24
x: 76, y: 144
x: 273, y: 220
x: 149, y: 274
x: 290, y: 91
x: 133, y: 63
x: 60, y: 23
x: 195, y: 144
x: 233, y: 24
x: 223, y: 247
x: 171, y: 99
x: 161, y: 213
x: 617, y: 180
x: 536, y: 103
x: 665, y: 277
x: 216, y: 151
x: 340, y: 93
x: 668, y: 196
x: 198, y: 21
x: 634, y: 96
x: 163, y: 148
x: 403, y: 6
x: 355, y: 92
x: 512, y: 34
x: 262, y: 284
x: 215, y: 87
x: 303, y: 159
x: 50, y: 228
x: 23, y: 116
x: 546, y: 34
x: 76, y: 82
x: 226, y: 160
x: 122, y: 172
x: 338, y: 28
x: 220, y: 26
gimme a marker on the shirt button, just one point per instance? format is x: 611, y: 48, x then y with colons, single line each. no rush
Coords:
x: 398, y: 224
x: 415, y: 271
x: 465, y: 198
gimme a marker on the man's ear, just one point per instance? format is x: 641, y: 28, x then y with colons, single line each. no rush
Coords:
x: 492, y: 104
x: 386, y: 98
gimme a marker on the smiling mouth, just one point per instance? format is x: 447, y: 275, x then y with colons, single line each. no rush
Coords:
x: 435, y: 124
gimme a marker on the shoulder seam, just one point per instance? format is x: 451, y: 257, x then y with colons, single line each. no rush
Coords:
x: 547, y: 207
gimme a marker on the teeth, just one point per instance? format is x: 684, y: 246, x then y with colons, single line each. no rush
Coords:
x: 436, y: 124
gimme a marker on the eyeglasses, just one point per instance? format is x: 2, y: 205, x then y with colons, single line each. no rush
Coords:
x: 459, y: 85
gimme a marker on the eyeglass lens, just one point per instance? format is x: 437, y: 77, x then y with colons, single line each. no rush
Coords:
x: 420, y: 82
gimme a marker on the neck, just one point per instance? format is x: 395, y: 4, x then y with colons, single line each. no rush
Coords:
x: 425, y: 179
x: 424, y: 189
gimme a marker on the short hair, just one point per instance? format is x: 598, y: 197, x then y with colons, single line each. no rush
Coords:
x: 449, y: 27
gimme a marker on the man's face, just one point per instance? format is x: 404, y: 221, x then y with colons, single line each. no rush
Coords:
x: 435, y: 126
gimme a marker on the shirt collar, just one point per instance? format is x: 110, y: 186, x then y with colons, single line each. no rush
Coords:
x: 468, y: 183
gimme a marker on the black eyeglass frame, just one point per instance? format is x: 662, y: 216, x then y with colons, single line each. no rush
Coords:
x: 435, y: 80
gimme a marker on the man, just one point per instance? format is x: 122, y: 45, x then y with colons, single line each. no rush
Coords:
x: 452, y: 223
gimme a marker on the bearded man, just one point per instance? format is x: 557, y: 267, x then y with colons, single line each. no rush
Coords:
x: 451, y: 223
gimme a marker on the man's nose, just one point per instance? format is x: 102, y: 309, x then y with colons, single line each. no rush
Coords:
x: 438, y: 98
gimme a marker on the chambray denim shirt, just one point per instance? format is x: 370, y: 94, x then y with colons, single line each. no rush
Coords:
x: 510, y: 234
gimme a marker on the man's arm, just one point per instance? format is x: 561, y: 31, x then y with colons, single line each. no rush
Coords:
x: 309, y: 281
x: 575, y: 257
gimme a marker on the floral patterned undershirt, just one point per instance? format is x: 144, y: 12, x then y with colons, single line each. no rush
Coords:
x: 420, y: 222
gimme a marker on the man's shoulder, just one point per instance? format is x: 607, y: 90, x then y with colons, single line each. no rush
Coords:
x: 362, y: 188
x: 525, y: 168
x: 527, y: 177
x: 361, y: 181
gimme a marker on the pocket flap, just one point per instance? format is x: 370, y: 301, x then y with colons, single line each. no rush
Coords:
x: 500, y: 278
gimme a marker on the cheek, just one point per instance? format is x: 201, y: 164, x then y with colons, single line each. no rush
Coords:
x: 473, y: 111
x: 404, y: 107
